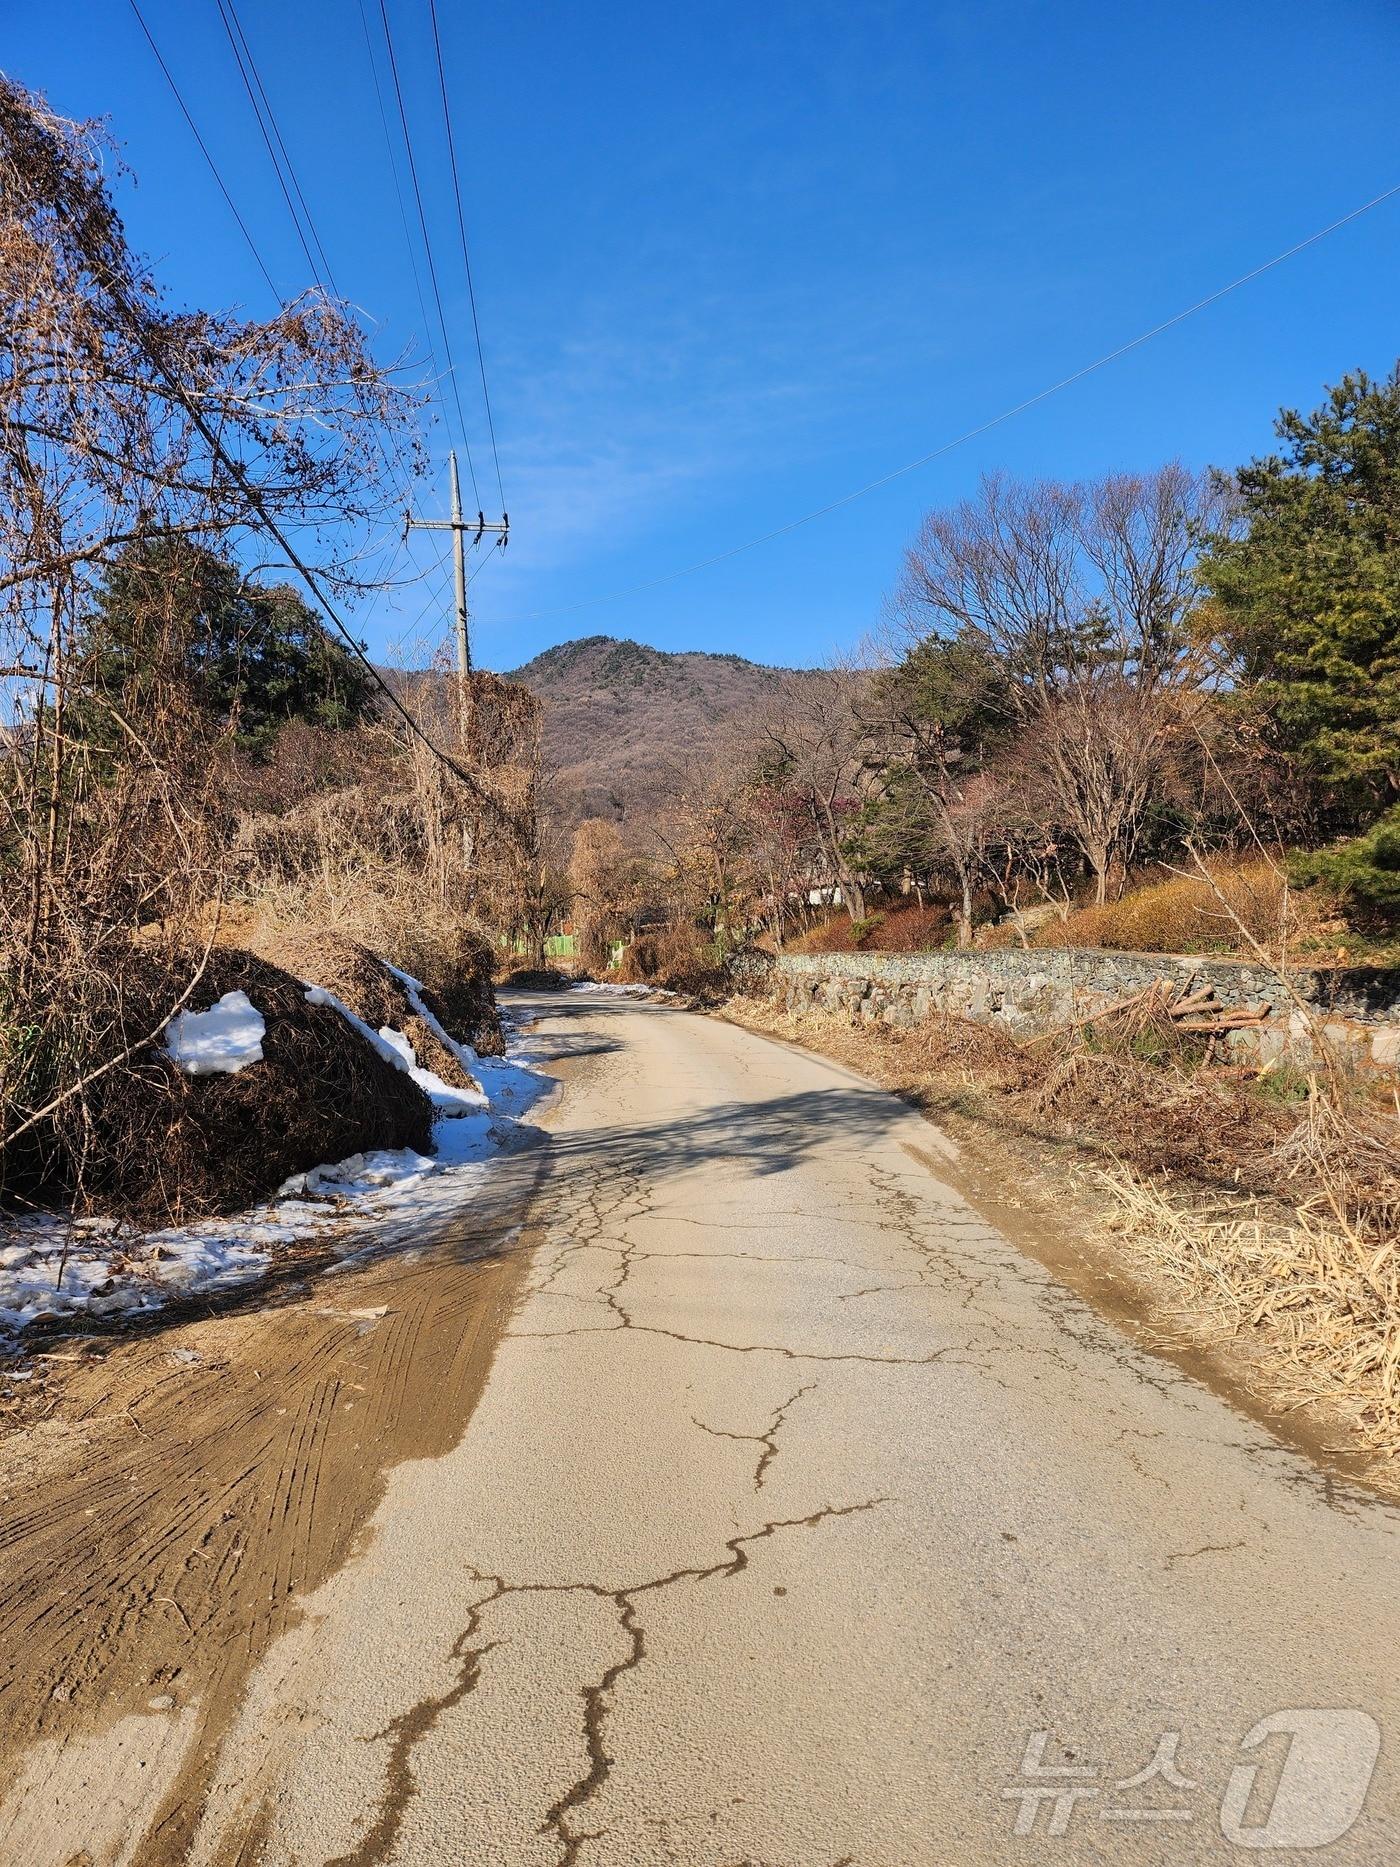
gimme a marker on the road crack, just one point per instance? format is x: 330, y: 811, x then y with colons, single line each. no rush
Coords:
x: 407, y: 1731
x: 1206, y: 1549
x: 767, y: 1439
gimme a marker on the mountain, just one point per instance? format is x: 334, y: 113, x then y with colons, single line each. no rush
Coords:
x: 617, y: 716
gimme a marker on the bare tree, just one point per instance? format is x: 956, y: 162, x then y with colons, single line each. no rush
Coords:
x: 772, y: 823
x: 818, y: 741
x: 708, y: 835
x: 1085, y: 594
x: 605, y: 885
x: 123, y: 421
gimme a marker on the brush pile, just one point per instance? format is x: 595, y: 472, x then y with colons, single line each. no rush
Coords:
x: 378, y: 996
x: 148, y: 1141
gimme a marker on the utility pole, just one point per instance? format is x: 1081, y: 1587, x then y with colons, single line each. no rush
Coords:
x: 466, y: 710
x: 459, y: 527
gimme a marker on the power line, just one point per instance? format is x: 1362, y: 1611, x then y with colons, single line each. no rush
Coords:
x: 292, y: 191
x: 435, y: 385
x: 395, y: 467
x: 229, y: 12
x: 428, y: 247
x: 466, y: 256
x: 280, y: 155
x: 972, y: 434
x: 286, y: 170
x: 439, y: 570
x: 403, y: 205
x: 204, y: 151
x: 233, y: 466
x: 402, y: 482
x: 271, y: 151
x: 414, y: 628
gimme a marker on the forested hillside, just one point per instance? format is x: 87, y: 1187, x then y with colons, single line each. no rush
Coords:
x: 619, y: 715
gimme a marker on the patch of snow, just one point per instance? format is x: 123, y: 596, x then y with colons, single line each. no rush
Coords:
x: 319, y: 995
x: 405, y: 979
x: 67, y: 1272
x: 220, y: 1041
x: 608, y: 989
x: 446, y: 1098
x: 395, y: 1048
x: 398, y: 1042
x: 415, y: 988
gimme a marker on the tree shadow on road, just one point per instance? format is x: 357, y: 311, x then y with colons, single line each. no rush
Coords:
x: 760, y: 1137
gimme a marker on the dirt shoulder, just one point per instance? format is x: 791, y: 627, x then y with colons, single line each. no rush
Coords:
x: 166, y: 1499
x: 1064, y: 1204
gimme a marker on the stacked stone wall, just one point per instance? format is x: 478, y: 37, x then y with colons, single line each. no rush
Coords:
x: 1029, y: 991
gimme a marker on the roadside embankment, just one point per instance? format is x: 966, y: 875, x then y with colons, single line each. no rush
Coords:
x: 1254, y: 1212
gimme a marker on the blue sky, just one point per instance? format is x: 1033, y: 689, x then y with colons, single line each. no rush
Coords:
x: 734, y: 261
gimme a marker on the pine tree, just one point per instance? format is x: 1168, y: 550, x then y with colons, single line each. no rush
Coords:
x: 1307, y: 587
x: 251, y: 657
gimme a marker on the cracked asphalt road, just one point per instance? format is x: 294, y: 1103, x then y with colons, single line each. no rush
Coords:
x: 796, y: 1503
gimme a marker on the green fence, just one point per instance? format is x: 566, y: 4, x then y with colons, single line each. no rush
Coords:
x: 556, y: 946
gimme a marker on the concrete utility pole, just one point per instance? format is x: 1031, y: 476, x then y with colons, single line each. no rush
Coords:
x: 459, y: 527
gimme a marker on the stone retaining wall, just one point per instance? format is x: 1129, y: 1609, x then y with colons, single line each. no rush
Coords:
x: 1032, y: 991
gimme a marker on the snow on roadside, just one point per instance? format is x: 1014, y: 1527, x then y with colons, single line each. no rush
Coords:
x: 55, y: 1268
x: 608, y: 989
x: 396, y: 1048
x: 500, y: 1078
x: 447, y: 1098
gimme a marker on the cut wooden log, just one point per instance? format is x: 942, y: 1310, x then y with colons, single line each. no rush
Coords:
x: 1194, y: 1001
x: 1226, y: 1021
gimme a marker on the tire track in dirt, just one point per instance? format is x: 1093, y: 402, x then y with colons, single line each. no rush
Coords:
x: 205, y: 1479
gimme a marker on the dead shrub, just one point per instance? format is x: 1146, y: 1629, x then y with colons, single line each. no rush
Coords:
x: 378, y: 862
x: 678, y: 958
x: 458, y: 988
x: 909, y: 928
x: 905, y: 927
x: 1161, y: 1119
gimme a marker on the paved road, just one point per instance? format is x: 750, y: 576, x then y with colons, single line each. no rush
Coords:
x: 797, y: 1503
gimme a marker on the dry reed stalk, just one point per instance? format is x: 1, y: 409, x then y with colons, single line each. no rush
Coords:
x: 1318, y: 1290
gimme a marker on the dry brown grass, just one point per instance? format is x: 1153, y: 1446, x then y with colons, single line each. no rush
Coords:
x: 1313, y: 1293
x: 829, y: 936
x: 1190, y: 914
x: 347, y: 870
x: 904, y: 927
